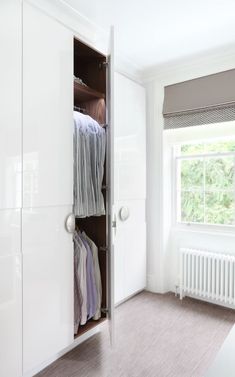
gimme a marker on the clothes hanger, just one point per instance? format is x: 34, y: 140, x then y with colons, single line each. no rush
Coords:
x: 79, y: 109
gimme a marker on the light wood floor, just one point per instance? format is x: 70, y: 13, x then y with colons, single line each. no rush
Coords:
x: 156, y: 336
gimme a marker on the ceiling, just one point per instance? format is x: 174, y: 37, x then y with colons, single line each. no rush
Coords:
x: 153, y: 32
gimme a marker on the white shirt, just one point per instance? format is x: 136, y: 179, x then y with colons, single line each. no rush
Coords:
x: 80, y: 249
x: 98, y: 283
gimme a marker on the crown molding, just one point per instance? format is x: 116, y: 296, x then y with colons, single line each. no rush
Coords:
x: 208, y: 62
x: 125, y: 67
x: 87, y: 32
x: 81, y: 26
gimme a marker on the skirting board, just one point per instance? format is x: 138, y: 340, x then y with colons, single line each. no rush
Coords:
x: 76, y: 342
x: 209, y: 301
x: 129, y: 297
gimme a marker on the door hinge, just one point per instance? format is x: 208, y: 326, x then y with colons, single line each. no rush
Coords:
x: 105, y: 187
x: 103, y: 65
x: 105, y: 310
x: 104, y: 248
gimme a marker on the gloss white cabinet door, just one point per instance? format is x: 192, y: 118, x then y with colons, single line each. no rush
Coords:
x: 10, y: 104
x: 130, y: 249
x: 129, y: 187
x: 129, y: 139
x: 10, y: 294
x: 47, y: 187
x: 47, y: 284
x: 109, y: 179
x: 10, y: 190
x: 132, y: 231
x: 47, y: 111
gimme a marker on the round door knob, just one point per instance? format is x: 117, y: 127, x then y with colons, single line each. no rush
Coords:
x: 124, y: 213
x: 70, y: 223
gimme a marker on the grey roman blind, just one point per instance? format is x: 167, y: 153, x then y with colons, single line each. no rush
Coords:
x: 205, y: 100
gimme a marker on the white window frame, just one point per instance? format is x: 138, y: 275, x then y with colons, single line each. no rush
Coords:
x: 176, y: 187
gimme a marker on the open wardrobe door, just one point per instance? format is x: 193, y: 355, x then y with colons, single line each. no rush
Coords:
x: 129, y: 187
x: 110, y: 172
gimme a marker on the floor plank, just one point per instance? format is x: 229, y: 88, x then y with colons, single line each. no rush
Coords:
x: 156, y: 336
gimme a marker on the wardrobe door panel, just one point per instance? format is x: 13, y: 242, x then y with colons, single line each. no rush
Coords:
x: 129, y: 187
x: 10, y: 316
x: 110, y: 215
x: 48, y: 117
x: 130, y: 250
x: 10, y: 294
x: 10, y: 232
x: 47, y: 284
x: 10, y: 189
x: 47, y: 187
x: 119, y: 276
x: 10, y: 112
x: 129, y: 140
x: 135, y: 246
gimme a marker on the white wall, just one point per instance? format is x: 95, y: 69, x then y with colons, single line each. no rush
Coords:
x: 155, y: 276
x: 164, y: 240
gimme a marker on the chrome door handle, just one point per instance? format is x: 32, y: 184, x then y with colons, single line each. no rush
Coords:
x: 70, y: 223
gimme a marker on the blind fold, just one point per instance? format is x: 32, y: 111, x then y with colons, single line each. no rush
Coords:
x: 208, y: 99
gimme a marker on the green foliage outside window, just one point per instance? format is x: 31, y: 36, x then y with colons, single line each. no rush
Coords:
x: 207, y: 183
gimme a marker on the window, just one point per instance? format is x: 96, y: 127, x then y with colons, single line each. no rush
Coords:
x: 205, y: 182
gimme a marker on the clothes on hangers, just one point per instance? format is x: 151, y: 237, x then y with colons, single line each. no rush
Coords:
x: 87, y: 280
x: 90, y: 281
x: 89, y: 158
x: 94, y: 250
x: 80, y: 284
x: 78, y: 298
x: 80, y: 81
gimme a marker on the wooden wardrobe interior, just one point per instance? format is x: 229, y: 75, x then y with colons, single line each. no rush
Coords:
x: 89, y: 66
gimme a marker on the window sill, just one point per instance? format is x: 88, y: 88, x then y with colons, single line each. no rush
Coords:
x: 227, y: 230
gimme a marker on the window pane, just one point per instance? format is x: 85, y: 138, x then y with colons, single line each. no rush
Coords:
x: 192, y: 149
x: 219, y: 208
x: 220, y: 146
x: 219, y: 173
x: 192, y: 207
x: 191, y: 174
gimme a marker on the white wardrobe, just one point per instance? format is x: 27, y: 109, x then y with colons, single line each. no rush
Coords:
x: 36, y: 191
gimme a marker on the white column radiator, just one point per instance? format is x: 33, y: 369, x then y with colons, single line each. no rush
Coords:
x: 206, y: 275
